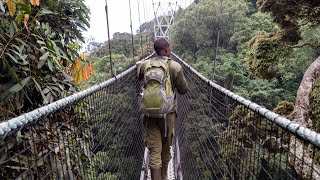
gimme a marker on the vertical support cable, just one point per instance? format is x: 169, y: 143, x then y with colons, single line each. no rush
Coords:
x: 145, y: 21
x: 217, y: 44
x: 131, y: 30
x: 195, y: 35
x: 109, y: 43
x: 140, y: 27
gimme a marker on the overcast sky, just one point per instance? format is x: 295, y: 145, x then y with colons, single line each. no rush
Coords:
x: 119, y: 16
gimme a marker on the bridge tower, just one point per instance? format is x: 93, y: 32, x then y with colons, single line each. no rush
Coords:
x: 164, y: 13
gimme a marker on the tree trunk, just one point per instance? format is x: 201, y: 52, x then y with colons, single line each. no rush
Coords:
x: 299, y: 156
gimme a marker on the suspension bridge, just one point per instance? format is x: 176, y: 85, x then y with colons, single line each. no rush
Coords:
x: 98, y: 134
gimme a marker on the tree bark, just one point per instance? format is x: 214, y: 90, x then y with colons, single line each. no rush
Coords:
x: 299, y: 157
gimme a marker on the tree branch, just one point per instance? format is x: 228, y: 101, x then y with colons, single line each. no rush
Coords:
x: 299, y: 157
x: 314, y: 46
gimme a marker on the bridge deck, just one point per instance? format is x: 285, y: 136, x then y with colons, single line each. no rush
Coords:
x: 171, y: 175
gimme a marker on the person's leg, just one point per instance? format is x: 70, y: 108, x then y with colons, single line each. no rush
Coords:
x: 153, y: 143
x: 166, y: 143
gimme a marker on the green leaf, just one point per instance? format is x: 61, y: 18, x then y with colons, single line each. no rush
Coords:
x: 20, y: 85
x: 12, y: 72
x: 17, y: 47
x: 11, y: 30
x: 2, y: 7
x: 13, y: 58
x: 45, y: 55
x: 41, y: 63
x: 22, y: 57
x: 15, y: 26
x: 22, y: 42
x: 19, y: 136
x: 25, y: 68
x: 56, y: 89
x: 46, y: 11
x: 19, y: 17
x: 67, y: 77
x: 50, y: 65
x: 43, y: 59
x: 46, y: 90
x: 38, y: 87
x: 40, y: 42
x: 24, y: 7
x: 64, y: 55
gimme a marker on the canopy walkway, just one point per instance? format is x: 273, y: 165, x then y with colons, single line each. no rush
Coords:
x: 98, y: 134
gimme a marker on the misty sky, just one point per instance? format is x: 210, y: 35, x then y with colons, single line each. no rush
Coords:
x: 119, y: 16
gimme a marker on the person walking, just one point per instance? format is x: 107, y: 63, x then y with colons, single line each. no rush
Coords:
x: 162, y: 78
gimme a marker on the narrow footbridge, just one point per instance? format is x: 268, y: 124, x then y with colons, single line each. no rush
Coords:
x: 98, y: 134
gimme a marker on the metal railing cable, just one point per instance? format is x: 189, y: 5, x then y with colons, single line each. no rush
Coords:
x: 94, y: 134
x: 221, y: 135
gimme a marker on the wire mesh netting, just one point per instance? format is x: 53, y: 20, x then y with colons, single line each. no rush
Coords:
x: 97, y: 137
x: 221, y: 138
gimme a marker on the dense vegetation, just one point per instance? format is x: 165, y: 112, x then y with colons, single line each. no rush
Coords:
x: 243, y: 55
x: 123, y: 54
x: 38, y: 45
x: 39, y: 42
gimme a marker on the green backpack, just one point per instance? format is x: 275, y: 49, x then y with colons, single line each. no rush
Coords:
x: 157, y: 97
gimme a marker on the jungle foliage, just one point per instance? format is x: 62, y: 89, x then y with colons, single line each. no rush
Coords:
x: 251, y: 61
x: 38, y: 45
x: 123, y: 54
x: 39, y: 42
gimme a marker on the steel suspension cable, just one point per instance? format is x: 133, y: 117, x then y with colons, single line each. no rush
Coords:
x: 195, y: 34
x: 140, y: 27
x: 217, y: 43
x: 145, y: 21
x: 131, y: 30
x: 144, y: 11
x: 109, y: 43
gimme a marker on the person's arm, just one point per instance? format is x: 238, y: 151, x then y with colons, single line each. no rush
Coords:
x: 140, y: 69
x: 181, y: 83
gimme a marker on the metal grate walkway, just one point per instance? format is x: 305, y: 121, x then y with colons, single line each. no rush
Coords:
x: 147, y: 176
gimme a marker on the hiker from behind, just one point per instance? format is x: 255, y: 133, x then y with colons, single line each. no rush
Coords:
x: 162, y: 78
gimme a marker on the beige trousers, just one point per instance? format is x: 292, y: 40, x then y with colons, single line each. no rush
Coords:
x: 156, y: 142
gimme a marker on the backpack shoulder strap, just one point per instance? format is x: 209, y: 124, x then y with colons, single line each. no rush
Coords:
x: 168, y: 63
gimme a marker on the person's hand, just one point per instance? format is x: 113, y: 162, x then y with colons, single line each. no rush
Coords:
x: 138, y: 63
